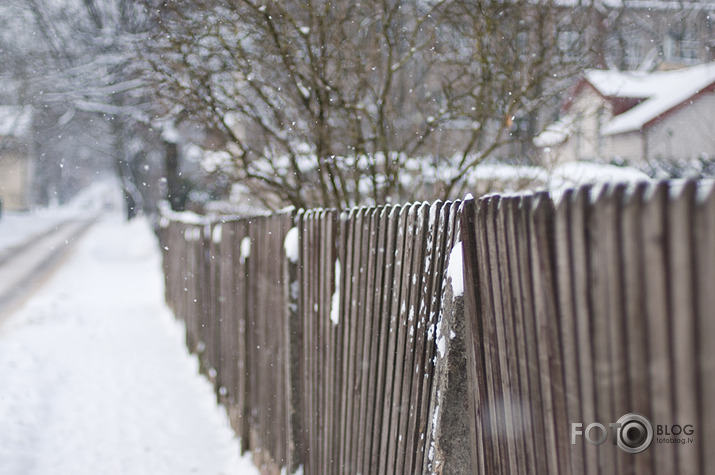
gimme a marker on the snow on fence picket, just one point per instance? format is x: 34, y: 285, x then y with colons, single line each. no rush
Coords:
x: 576, y: 311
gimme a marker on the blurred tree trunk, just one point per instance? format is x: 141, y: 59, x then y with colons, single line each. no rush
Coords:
x: 173, y: 181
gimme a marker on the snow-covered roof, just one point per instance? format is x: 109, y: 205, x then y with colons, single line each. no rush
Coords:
x: 678, y: 5
x: 659, y: 5
x: 15, y: 121
x: 662, y: 91
x: 631, y: 84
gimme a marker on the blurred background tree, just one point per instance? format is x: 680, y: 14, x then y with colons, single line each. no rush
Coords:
x: 74, y: 63
x: 339, y: 103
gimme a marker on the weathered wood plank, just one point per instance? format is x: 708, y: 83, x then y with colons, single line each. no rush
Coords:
x: 505, y: 339
x: 416, y: 269
x: 367, y: 355
x: 379, y: 435
x: 354, y: 229
x: 358, y: 308
x: 376, y: 282
x: 386, y: 463
x: 546, y: 306
x: 318, y: 278
x: 220, y: 237
x: 475, y: 353
x: 398, y: 410
x: 599, y: 228
x: 618, y: 337
x: 525, y: 427
x: 494, y: 405
x: 335, y: 351
x: 341, y: 331
x: 705, y: 244
x: 293, y: 328
x: 279, y: 358
x: 681, y: 267
x: 635, y: 317
x: 322, y: 277
x: 580, y: 257
x: 330, y: 255
x: 306, y: 309
x: 486, y: 417
x: 654, y: 223
x: 261, y: 271
x: 242, y: 289
x: 568, y: 321
x: 357, y: 283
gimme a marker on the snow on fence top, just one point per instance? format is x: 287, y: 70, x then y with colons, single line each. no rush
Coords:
x: 185, y: 217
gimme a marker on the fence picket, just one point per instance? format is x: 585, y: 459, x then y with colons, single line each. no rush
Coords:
x: 410, y: 319
x: 376, y: 281
x: 637, y: 347
x: 704, y: 227
x: 366, y: 355
x: 656, y: 247
x: 386, y: 451
x: 599, y: 227
x: 683, y: 338
x: 475, y: 354
x: 381, y: 397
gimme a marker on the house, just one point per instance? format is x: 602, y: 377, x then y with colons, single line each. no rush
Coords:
x: 625, y: 35
x: 16, y: 157
x: 636, y: 117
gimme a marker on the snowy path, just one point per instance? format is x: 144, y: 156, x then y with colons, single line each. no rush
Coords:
x: 94, y: 376
x: 23, y: 268
x: 17, y: 229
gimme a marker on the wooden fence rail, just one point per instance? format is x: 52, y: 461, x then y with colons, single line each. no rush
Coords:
x: 458, y: 337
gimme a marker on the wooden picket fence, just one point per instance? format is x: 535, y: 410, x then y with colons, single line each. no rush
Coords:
x: 458, y: 337
x: 225, y: 280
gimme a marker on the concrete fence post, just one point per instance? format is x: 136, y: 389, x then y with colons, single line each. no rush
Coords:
x: 449, y: 441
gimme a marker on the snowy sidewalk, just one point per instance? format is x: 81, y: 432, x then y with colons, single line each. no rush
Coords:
x: 94, y: 375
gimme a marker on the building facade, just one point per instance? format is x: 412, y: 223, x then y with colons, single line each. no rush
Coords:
x: 16, y: 158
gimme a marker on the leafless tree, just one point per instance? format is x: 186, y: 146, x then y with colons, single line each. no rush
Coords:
x: 336, y: 103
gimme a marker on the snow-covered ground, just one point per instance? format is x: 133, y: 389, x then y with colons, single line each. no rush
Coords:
x: 94, y: 375
x: 17, y: 228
